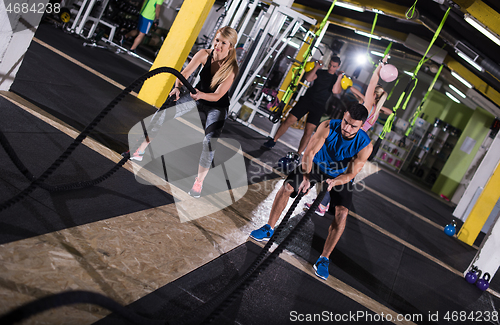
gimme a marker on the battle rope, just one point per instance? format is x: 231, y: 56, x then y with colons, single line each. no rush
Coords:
x: 252, y: 273
x: 70, y: 298
x: 259, y: 265
x: 56, y: 188
x: 35, y: 183
x: 215, y: 302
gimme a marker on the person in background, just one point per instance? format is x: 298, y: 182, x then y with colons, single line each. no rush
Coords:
x: 313, y: 102
x: 373, y: 100
x: 149, y: 17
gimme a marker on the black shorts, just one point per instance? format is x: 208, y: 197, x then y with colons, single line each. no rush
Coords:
x: 304, y: 106
x: 340, y: 195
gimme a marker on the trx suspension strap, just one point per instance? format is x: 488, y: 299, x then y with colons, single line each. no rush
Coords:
x: 370, y: 40
x: 417, y: 111
x: 297, y: 72
x: 388, y: 124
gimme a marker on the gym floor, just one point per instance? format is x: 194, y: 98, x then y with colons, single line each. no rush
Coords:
x: 126, y: 240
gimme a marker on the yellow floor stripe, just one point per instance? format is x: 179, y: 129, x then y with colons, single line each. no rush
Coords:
x: 338, y: 285
x: 414, y: 248
x: 78, y: 63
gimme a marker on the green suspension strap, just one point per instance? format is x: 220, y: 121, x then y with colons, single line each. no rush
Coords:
x: 388, y: 123
x: 370, y: 40
x: 297, y: 72
x: 417, y: 111
x: 411, y: 12
x: 390, y: 119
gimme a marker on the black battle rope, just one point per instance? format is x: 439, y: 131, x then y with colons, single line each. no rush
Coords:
x: 252, y: 274
x: 34, y: 184
x: 81, y: 296
x: 56, y: 188
x: 214, y: 302
x: 70, y: 298
x: 76, y: 185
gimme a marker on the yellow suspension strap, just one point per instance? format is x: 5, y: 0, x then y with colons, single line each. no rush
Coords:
x: 297, y: 72
x: 417, y: 111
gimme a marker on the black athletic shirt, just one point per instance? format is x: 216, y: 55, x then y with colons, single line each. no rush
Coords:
x: 204, y: 86
x: 321, y: 90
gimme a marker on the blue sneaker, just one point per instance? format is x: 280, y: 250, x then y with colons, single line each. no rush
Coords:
x: 263, y: 233
x: 269, y: 143
x: 321, y: 267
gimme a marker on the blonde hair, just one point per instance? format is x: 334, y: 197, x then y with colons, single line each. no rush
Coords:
x: 380, y: 97
x: 229, y: 65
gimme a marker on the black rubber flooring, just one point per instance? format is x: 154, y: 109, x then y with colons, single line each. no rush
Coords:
x: 281, y: 294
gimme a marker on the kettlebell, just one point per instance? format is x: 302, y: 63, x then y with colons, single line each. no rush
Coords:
x: 484, y: 283
x: 450, y: 229
x: 345, y: 82
x: 309, y: 66
x: 471, y: 276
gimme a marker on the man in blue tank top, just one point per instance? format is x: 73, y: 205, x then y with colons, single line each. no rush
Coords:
x: 336, y: 153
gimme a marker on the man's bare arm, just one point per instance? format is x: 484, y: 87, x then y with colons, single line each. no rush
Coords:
x: 353, y: 169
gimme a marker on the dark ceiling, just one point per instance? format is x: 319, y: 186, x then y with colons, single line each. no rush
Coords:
x: 432, y: 12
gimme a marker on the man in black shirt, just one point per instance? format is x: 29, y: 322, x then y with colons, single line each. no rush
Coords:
x: 313, y: 102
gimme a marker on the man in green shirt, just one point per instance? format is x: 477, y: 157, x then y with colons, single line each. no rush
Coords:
x: 150, y: 12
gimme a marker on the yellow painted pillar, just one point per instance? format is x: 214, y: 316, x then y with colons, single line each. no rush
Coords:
x: 481, y: 210
x: 175, y: 49
x: 300, y: 54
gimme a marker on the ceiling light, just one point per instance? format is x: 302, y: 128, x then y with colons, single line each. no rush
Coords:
x: 462, y: 80
x: 379, y: 54
x: 368, y: 34
x: 361, y: 59
x: 452, y: 97
x: 469, y: 60
x: 409, y: 73
x: 350, y: 6
x: 471, y: 20
x: 457, y: 91
x: 377, y: 11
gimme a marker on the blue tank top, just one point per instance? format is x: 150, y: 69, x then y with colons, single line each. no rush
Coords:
x: 335, y: 155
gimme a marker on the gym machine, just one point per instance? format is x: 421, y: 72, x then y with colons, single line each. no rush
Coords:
x: 92, y: 11
x: 274, y: 27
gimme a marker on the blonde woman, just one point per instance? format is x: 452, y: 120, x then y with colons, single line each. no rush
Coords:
x: 219, y: 71
x: 374, y: 97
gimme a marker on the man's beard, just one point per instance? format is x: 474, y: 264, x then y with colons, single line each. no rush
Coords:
x: 351, y: 135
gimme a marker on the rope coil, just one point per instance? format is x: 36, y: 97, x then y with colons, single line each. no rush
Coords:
x: 37, y: 182
x: 217, y: 305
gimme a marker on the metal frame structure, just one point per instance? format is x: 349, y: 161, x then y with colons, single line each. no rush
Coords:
x: 267, y: 42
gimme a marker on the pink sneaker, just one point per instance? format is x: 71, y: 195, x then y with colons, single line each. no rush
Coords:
x: 321, y: 210
x: 137, y: 155
x: 196, y: 189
